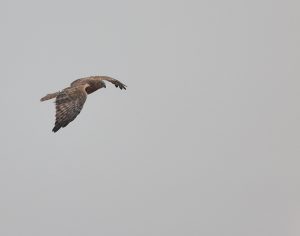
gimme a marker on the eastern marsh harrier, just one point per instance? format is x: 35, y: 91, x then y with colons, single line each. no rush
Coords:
x: 69, y: 101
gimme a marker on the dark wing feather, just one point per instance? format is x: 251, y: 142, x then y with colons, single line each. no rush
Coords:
x: 69, y: 104
x: 117, y: 83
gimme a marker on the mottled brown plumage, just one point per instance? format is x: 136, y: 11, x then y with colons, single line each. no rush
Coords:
x: 69, y: 102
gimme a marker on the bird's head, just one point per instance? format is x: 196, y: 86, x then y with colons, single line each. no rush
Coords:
x: 103, y: 85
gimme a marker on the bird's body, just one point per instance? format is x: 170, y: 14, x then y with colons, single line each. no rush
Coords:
x: 69, y: 102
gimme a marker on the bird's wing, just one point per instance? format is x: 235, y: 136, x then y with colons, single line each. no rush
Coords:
x: 69, y: 104
x: 117, y: 83
x: 78, y: 82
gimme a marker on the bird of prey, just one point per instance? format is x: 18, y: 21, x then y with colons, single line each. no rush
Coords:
x: 69, y: 101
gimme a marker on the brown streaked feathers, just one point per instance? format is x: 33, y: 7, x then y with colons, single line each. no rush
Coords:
x: 69, y: 102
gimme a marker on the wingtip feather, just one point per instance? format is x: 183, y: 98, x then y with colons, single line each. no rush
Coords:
x: 55, y: 129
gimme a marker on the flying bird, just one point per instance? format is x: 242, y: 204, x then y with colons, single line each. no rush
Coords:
x: 69, y: 102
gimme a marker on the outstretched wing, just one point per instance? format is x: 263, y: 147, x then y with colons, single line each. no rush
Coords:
x: 117, y: 83
x: 85, y: 80
x: 69, y: 104
x: 78, y: 82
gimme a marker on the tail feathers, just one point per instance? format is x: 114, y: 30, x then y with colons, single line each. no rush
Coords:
x: 49, y: 96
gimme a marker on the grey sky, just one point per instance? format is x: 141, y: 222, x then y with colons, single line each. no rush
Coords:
x: 205, y: 140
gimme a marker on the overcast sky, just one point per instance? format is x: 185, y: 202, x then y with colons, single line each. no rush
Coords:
x: 205, y: 140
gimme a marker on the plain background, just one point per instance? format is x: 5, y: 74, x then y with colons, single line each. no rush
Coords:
x: 205, y: 140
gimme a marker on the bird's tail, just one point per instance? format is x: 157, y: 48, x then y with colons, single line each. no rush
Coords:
x: 49, y: 96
